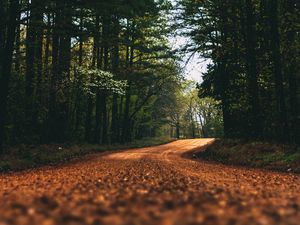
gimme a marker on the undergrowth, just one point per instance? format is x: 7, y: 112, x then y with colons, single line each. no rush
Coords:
x: 254, y: 154
x: 30, y: 156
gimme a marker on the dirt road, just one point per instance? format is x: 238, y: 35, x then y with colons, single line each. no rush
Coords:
x: 149, y: 186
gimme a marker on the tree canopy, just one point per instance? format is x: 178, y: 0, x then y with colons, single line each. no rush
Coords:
x: 105, y: 71
x: 254, y: 49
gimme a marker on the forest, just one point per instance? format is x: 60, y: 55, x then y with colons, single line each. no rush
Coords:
x: 142, y: 112
x: 105, y: 71
x: 254, y: 49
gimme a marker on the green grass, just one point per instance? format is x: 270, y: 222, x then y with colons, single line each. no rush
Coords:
x: 254, y: 154
x: 25, y: 157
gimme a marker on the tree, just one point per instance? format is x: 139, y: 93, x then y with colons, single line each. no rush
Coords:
x: 58, y: 54
x: 241, y: 38
x: 10, y: 10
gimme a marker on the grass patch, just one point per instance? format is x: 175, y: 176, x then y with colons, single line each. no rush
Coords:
x: 29, y: 156
x: 254, y: 154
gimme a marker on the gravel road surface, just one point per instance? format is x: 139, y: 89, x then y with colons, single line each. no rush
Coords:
x: 155, y: 185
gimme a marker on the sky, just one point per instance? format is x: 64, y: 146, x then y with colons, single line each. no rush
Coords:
x: 196, y: 65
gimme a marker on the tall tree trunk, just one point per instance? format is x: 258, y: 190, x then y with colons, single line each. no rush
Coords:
x: 99, y: 57
x: 30, y: 73
x: 223, y: 73
x: 290, y: 52
x: 55, y: 132
x: 17, y: 47
x: 103, y: 103
x: 62, y: 64
x: 126, y: 134
x: 7, y: 38
x: 46, y: 81
x: 78, y: 78
x: 39, y: 69
x: 103, y: 98
x: 277, y: 69
x: 47, y: 47
x: 80, y: 53
x: 255, y: 130
x: 115, y: 66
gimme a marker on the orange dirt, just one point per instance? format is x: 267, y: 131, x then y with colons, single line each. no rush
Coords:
x: 153, y: 185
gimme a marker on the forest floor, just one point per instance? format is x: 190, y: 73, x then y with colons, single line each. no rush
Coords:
x: 154, y: 185
x: 23, y: 157
x: 272, y: 156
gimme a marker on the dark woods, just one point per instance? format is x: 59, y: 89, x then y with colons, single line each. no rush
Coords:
x: 54, y: 54
x: 103, y: 71
x: 254, y: 46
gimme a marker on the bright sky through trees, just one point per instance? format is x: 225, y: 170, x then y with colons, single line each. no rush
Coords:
x: 193, y: 66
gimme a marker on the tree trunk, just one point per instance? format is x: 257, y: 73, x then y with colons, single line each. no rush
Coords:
x: 282, y: 128
x: 255, y: 130
x: 290, y: 52
x: 104, y: 118
x: 96, y: 62
x: 64, y: 65
x: 126, y: 136
x: 45, y: 94
x: 39, y: 69
x: 61, y: 59
x: 177, y: 130
x: 7, y: 38
x: 97, y: 136
x: 103, y: 103
x: 54, y: 76
x: 222, y: 81
x: 78, y: 89
x: 30, y: 73
x: 115, y: 66
x: 17, y: 48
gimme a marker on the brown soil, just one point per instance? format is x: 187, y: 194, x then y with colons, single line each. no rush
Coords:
x: 153, y: 185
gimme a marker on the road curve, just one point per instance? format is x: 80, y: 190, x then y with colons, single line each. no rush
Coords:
x: 153, y: 185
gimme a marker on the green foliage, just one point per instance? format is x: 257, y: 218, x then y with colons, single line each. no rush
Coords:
x: 96, y: 79
x: 86, y: 72
x: 253, y: 47
x: 191, y: 116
